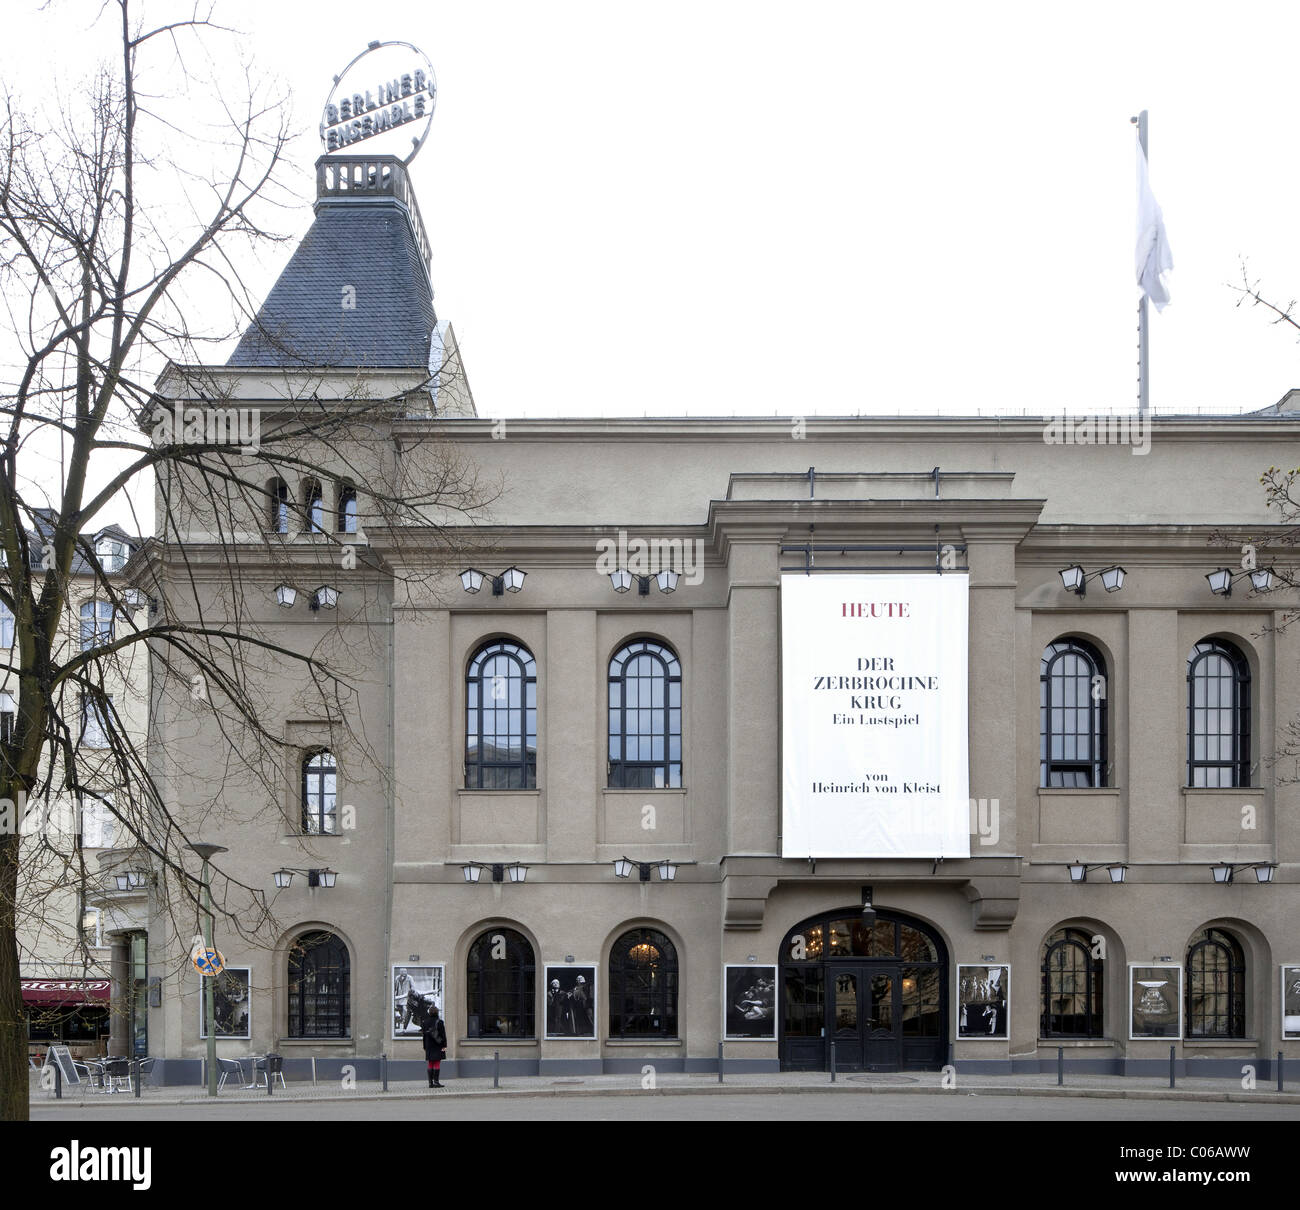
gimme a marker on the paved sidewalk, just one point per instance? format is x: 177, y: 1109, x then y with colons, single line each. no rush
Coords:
x: 665, y: 1084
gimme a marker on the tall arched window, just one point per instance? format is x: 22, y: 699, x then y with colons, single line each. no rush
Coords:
x: 347, y: 518
x: 1072, y: 986
x: 278, y: 494
x: 320, y: 794
x: 501, y: 719
x: 643, y: 986
x: 1072, y: 715
x: 6, y: 627
x: 1218, y: 715
x: 320, y: 979
x: 96, y: 624
x: 1216, y: 986
x: 314, y: 495
x: 645, y: 717
x: 500, y: 986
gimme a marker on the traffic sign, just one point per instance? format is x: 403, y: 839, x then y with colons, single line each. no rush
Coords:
x: 208, y: 962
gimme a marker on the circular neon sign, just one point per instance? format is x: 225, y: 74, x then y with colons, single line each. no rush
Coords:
x: 381, y: 103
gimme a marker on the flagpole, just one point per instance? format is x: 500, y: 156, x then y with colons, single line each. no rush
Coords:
x: 1144, y: 401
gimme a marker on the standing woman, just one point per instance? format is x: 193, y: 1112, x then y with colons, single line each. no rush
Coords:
x: 435, y: 1045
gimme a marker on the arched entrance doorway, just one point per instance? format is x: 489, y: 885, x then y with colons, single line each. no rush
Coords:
x: 878, y: 991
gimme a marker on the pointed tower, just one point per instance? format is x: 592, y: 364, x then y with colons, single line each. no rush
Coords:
x: 356, y: 294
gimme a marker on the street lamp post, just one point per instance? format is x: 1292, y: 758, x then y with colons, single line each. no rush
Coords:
x: 207, y: 852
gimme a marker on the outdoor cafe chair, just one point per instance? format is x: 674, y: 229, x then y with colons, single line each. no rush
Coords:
x: 275, y: 1064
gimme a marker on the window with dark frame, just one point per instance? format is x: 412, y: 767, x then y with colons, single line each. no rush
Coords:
x: 320, y: 974
x: 501, y: 719
x: 1218, y: 716
x: 1072, y: 716
x: 7, y: 716
x: 315, y: 497
x: 347, y: 512
x: 645, y: 717
x: 320, y: 794
x: 643, y: 980
x: 1216, y: 986
x: 501, y: 986
x: 278, y: 490
x: 1072, y: 987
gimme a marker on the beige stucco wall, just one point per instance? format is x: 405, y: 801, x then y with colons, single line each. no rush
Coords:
x: 1030, y: 509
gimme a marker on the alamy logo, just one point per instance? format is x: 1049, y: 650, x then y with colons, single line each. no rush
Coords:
x: 239, y: 427
x: 78, y: 1163
x: 1131, y: 430
x: 649, y: 556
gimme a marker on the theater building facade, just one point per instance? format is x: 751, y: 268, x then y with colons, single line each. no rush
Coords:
x: 609, y: 790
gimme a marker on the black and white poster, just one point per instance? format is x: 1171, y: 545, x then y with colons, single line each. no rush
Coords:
x: 749, y: 1002
x: 230, y: 1003
x: 570, y: 1001
x: 983, y: 996
x: 1291, y: 1002
x: 1155, y: 998
x: 415, y: 990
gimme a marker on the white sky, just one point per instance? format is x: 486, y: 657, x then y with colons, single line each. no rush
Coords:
x: 759, y: 208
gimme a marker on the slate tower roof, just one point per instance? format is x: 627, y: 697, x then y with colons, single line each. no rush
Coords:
x: 356, y: 292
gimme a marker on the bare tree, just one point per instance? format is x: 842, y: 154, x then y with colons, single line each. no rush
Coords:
x: 1282, y: 498
x: 97, y: 270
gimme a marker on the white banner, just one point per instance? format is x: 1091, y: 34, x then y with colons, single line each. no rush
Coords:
x: 873, y: 713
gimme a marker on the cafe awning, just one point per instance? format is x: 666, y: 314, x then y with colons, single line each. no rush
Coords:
x: 66, y: 991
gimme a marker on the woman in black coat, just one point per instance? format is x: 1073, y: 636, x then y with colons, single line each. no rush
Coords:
x: 434, y: 1035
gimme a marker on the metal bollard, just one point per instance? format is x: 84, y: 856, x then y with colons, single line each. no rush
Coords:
x: 383, y: 1070
x: 719, y: 1062
x: 496, y: 1069
x: 269, y: 1080
x: 58, y: 1082
x: 1171, y: 1066
x: 1060, y: 1066
x: 136, y: 1065
x: 1279, y: 1071
x: 832, y: 1060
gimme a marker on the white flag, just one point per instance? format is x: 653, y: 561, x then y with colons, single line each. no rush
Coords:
x: 1153, y: 256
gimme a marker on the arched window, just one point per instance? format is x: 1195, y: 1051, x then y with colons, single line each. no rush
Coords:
x: 6, y: 627
x: 643, y: 986
x: 320, y: 794
x: 645, y: 717
x: 347, y: 519
x: 320, y: 977
x: 278, y: 492
x: 501, y: 719
x: 1072, y: 715
x: 500, y: 986
x: 1072, y: 986
x: 96, y: 624
x: 1218, y: 715
x: 314, y: 495
x: 1216, y: 986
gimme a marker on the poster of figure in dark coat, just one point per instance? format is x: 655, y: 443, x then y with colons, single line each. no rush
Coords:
x: 416, y: 989
x: 749, y: 1001
x: 571, y: 1001
x: 983, y: 994
x: 229, y: 1003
